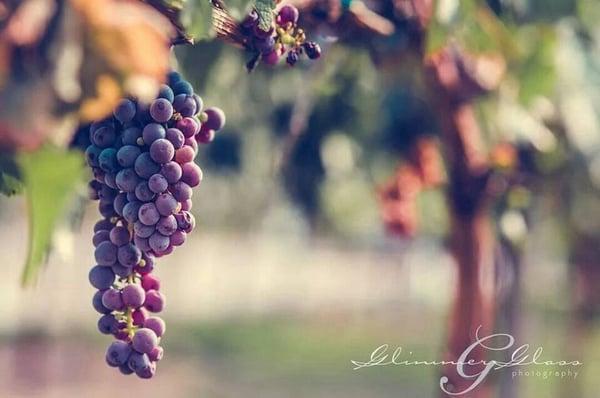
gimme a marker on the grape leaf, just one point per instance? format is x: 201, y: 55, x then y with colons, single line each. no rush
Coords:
x: 196, y: 17
x: 50, y: 175
x: 265, y: 8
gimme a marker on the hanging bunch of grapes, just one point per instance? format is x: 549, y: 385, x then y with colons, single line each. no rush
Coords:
x: 142, y: 159
x: 269, y: 42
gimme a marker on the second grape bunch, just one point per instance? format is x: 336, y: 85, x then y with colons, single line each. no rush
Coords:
x: 142, y: 159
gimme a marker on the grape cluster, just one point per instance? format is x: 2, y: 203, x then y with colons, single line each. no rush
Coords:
x: 283, y: 37
x: 142, y: 159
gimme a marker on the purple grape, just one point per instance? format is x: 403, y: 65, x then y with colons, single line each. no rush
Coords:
x: 144, y: 340
x: 91, y: 155
x: 181, y: 191
x: 107, y: 324
x: 185, y: 155
x: 264, y: 45
x: 167, y: 225
x: 312, y: 49
x: 112, y: 299
x: 106, y: 208
x: 121, y: 270
x: 146, y: 265
x: 133, y: 295
x: 127, y: 179
x: 120, y: 202
x: 127, y: 155
x: 182, y: 87
x: 156, y: 354
x: 142, y: 230
x: 205, y: 136
x: 189, y: 126
x: 118, y: 352
x: 166, y: 204
x: 171, y: 171
x: 185, y: 221
x: 131, y: 136
x: 100, y: 236
x: 124, y: 369
x: 271, y: 58
x: 107, y: 193
x: 145, y: 167
x: 199, y: 103
x: 287, y: 14
x: 104, y: 137
x: 119, y: 236
x: 175, y: 137
x: 186, y: 205
x: 147, y: 372
x: 161, y: 110
x: 125, y: 111
x: 185, y: 105
x: 140, y: 315
x: 98, y: 174
x: 101, y: 277
x: 191, y: 174
x: 129, y: 255
x: 131, y: 211
x: 150, y: 282
x: 155, y: 301
x: 158, y: 183
x: 143, y: 192
x: 142, y: 243
x: 156, y: 324
x: 105, y: 253
x: 215, y: 118
x: 162, y: 151
x: 153, y: 132
x: 138, y: 361
x: 166, y: 93
x: 110, y: 179
x: 158, y: 242
x: 97, y: 303
x: 148, y: 214
x: 178, y: 238
x: 107, y: 160
x: 103, y: 225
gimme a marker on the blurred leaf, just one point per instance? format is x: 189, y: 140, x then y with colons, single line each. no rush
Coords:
x: 265, y: 8
x: 535, y: 72
x: 10, y: 179
x: 50, y: 176
x: 197, y: 19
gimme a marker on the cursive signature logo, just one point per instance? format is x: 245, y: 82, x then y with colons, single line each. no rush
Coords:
x: 520, y: 356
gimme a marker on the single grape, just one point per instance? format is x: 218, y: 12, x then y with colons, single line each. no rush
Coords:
x: 185, y: 155
x: 145, y: 167
x: 133, y: 295
x: 108, y: 160
x: 147, y: 372
x: 91, y: 155
x: 312, y: 49
x: 173, y: 77
x: 153, y: 132
x: 158, y: 183
x: 149, y: 214
x: 103, y: 225
x: 143, y: 192
x: 127, y: 155
x: 205, y: 136
x: 150, y: 282
x: 110, y: 179
x: 181, y: 191
x: 97, y: 303
x: 124, y: 369
x: 140, y: 315
x: 120, y: 202
x: 129, y: 255
x: 121, y: 270
x: 127, y: 179
x: 103, y: 137
x: 175, y: 137
x: 125, y: 111
x: 142, y: 230
x: 182, y: 87
x: 146, y: 265
x: 131, y: 211
x: 112, y: 299
x: 105, y: 253
x: 159, y: 242
x: 171, y: 171
x: 142, y: 243
x: 191, y: 174
x: 166, y: 93
x: 156, y: 324
x: 155, y: 301
x: 99, y: 237
x: 167, y: 225
x: 166, y: 204
x: 107, y: 324
x: 131, y: 135
x: 185, y: 105
x: 106, y: 208
x: 178, y: 238
x: 189, y: 126
x: 215, y: 118
x: 119, y: 235
x: 144, y: 340
x: 101, y: 277
x: 138, y: 361
x: 161, y: 110
x: 287, y: 14
x: 156, y: 354
x: 185, y: 221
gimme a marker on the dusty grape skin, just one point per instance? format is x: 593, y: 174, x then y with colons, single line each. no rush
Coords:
x: 107, y: 324
x: 99, y: 237
x: 159, y: 242
x: 166, y: 204
x: 149, y: 214
x: 138, y: 361
x: 97, y: 303
x: 156, y: 354
x: 142, y: 243
x: 142, y: 230
x: 191, y: 174
x: 119, y: 236
x: 133, y: 295
x: 155, y: 301
x: 129, y: 255
x: 171, y: 171
x: 105, y: 253
x: 181, y: 191
x: 156, y: 324
x: 178, y: 238
x: 112, y: 299
x: 158, y: 183
x: 150, y: 282
x: 167, y: 225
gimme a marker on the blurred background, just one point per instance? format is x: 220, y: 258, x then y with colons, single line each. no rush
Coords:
x: 436, y: 170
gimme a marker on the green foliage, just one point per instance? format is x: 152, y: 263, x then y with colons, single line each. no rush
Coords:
x: 265, y: 13
x: 197, y: 19
x: 50, y: 176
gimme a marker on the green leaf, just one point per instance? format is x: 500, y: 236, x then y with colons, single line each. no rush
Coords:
x: 196, y: 17
x: 265, y: 8
x: 50, y: 175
